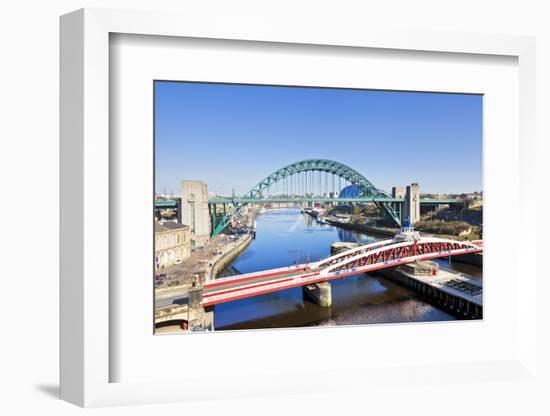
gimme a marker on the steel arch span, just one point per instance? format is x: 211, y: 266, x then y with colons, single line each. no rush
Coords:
x: 366, y: 188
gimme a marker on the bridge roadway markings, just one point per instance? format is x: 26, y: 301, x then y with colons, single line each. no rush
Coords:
x: 261, y: 280
x: 267, y: 281
x: 300, y: 275
x: 210, y: 289
x: 241, y: 278
x: 302, y: 280
x: 274, y: 286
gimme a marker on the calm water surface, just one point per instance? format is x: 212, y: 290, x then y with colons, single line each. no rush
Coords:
x: 286, y: 236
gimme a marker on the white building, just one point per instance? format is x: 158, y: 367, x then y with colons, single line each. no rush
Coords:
x: 172, y: 244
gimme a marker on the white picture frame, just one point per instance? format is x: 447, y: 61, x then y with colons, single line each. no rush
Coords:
x: 87, y: 356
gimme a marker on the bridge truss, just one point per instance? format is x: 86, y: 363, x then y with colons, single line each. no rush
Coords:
x: 389, y: 253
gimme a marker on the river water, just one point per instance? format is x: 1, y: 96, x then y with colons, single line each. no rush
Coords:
x: 286, y: 236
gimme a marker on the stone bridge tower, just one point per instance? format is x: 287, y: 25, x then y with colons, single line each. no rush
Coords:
x: 194, y: 211
x: 412, y: 203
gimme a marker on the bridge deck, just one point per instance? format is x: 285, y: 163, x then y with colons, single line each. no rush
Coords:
x: 252, y: 281
x: 254, y: 284
x: 171, y: 203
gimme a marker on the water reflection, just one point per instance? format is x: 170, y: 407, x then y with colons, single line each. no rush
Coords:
x: 285, y: 237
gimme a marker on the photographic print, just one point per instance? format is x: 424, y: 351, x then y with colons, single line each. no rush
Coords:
x: 290, y: 207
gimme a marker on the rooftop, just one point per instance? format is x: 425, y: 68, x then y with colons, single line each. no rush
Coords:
x: 168, y: 226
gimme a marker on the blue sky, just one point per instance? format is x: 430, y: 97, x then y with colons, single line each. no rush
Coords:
x: 232, y: 136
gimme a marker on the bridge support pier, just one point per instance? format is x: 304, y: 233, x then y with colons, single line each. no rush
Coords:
x: 200, y: 319
x: 319, y: 293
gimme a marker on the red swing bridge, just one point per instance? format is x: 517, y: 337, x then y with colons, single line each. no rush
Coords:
x: 406, y: 247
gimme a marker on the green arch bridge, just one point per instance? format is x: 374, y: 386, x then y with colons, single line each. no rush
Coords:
x: 306, y: 181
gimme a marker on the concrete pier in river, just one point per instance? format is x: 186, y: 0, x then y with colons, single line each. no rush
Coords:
x: 320, y: 293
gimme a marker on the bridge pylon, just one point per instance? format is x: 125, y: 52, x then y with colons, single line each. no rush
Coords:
x: 200, y: 318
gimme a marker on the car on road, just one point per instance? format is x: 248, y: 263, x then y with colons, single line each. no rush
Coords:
x: 178, y: 261
x: 160, y: 277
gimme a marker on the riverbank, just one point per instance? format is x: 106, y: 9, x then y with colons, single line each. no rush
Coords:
x: 222, y: 262
x: 387, y: 231
x: 204, y: 263
x: 383, y: 232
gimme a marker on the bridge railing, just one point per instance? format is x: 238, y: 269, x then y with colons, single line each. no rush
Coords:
x: 428, y: 242
x: 351, y: 252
